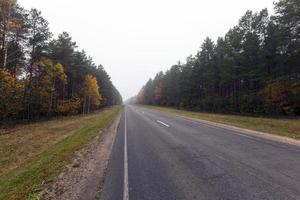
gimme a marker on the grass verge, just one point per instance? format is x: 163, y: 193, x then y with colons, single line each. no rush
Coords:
x: 24, y: 141
x: 30, y: 178
x: 277, y: 126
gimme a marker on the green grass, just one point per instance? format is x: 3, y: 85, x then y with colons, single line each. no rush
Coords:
x: 27, y: 180
x: 277, y: 126
x: 25, y: 141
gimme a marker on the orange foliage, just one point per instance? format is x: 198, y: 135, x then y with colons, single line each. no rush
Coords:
x: 285, y: 93
x: 67, y: 107
x: 141, y: 97
x: 157, y: 92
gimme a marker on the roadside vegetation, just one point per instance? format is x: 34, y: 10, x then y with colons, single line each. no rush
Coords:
x: 45, y: 78
x: 31, y: 156
x: 278, y: 126
x: 253, y: 69
x: 42, y: 76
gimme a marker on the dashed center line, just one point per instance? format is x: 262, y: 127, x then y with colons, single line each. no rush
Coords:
x: 167, y: 125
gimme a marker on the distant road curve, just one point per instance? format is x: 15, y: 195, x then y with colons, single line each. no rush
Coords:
x: 163, y: 157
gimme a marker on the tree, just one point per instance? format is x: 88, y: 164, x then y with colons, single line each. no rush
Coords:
x: 253, y: 69
x: 11, y: 94
x: 186, y: 84
x: 38, y: 37
x: 91, y: 95
x: 8, y: 24
x: 288, y: 19
x: 141, y: 97
x: 45, y: 76
x: 157, y: 93
x: 16, y: 46
x: 51, y: 78
x: 63, y: 50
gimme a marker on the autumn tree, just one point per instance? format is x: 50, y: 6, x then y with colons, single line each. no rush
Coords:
x: 11, y: 96
x: 91, y: 95
x: 45, y: 76
x: 51, y: 79
x: 68, y: 106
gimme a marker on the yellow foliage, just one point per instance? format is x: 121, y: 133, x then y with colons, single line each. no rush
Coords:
x: 10, y: 95
x: 59, y: 70
x: 91, y: 90
x: 50, y: 73
x: 68, y: 106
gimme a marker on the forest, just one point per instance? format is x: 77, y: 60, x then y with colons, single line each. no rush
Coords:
x: 42, y: 76
x: 254, y: 69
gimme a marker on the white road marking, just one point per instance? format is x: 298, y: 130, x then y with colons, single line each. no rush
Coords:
x: 125, y: 191
x: 167, y: 125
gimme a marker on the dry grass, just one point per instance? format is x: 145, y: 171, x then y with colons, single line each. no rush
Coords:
x: 36, y: 172
x: 283, y: 127
x: 26, y: 141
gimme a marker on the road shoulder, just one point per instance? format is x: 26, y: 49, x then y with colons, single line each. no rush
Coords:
x: 84, y: 177
x: 237, y: 130
x: 259, y: 134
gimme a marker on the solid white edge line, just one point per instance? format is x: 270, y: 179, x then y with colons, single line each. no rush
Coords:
x: 167, y: 125
x: 125, y: 191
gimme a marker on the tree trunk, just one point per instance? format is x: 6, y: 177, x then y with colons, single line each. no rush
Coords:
x: 84, y: 103
x: 89, y: 104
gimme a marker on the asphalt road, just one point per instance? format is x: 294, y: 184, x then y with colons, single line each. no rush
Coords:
x: 163, y: 157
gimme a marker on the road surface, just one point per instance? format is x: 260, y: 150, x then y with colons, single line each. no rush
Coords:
x: 163, y: 157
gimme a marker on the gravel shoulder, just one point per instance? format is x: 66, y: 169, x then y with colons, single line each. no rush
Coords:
x: 84, y: 178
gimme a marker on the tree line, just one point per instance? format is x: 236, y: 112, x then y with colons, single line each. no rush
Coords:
x: 254, y: 69
x: 41, y: 76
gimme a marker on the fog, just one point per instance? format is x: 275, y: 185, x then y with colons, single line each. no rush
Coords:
x: 135, y: 39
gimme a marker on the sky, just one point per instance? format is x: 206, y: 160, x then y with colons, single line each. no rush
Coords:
x: 135, y: 39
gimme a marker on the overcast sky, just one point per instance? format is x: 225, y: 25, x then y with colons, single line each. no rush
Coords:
x: 135, y: 39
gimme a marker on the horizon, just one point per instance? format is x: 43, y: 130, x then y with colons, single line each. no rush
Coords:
x: 136, y: 42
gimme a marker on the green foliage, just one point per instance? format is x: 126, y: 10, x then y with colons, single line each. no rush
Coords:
x: 42, y: 76
x: 253, y: 69
x: 77, y: 66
